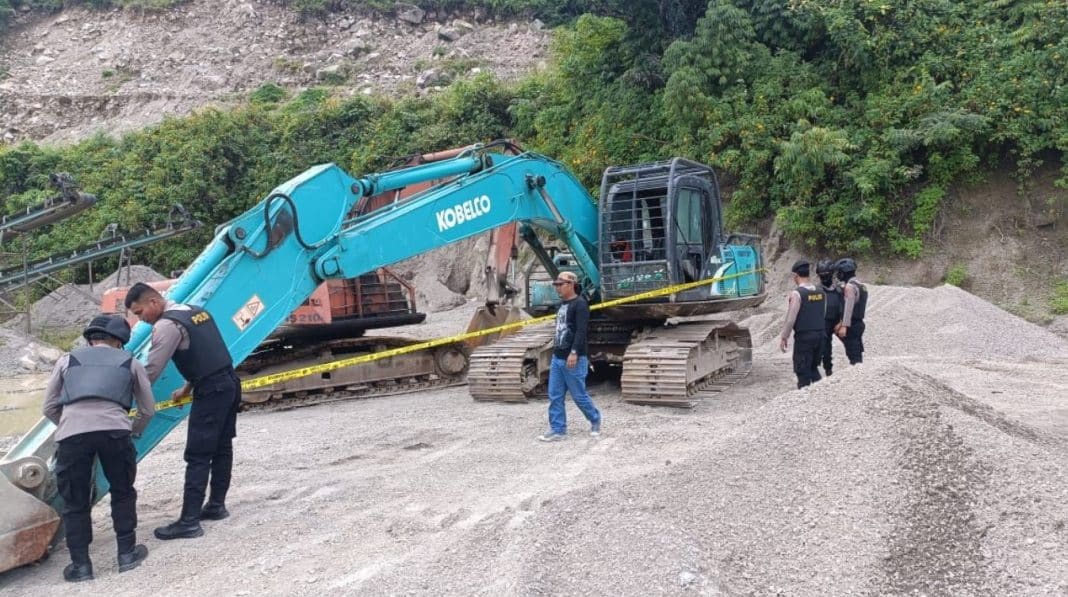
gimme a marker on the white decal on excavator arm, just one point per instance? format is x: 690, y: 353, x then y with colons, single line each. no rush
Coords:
x: 248, y: 312
x: 463, y: 212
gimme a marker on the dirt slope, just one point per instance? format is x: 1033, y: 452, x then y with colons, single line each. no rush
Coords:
x: 80, y: 71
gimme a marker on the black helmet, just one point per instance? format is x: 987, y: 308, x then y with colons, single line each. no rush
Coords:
x: 846, y: 265
x: 825, y: 267
x: 116, y: 327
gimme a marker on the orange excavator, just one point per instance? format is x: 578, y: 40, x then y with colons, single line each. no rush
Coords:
x: 332, y: 322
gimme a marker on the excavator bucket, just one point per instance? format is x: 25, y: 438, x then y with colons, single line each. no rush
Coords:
x: 27, y: 526
x: 487, y: 317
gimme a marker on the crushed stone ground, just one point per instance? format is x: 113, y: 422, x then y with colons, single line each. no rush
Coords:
x: 937, y: 467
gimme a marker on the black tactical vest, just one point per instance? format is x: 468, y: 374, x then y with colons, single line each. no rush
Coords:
x: 861, y: 304
x: 99, y: 372
x: 835, y: 303
x: 207, y: 352
x: 813, y: 305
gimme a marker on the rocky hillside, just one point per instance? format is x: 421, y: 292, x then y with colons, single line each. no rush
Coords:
x: 68, y: 75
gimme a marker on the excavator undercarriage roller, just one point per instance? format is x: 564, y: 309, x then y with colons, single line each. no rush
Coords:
x: 514, y: 369
x: 672, y: 366
x: 662, y: 365
x: 439, y: 367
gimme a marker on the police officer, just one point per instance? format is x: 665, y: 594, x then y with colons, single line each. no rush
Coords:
x: 89, y: 397
x: 805, y: 317
x: 189, y: 336
x: 855, y: 303
x: 833, y: 291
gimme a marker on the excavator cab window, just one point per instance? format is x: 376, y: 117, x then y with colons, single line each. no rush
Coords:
x: 660, y: 225
x: 690, y: 236
x: 635, y: 229
x: 636, y: 226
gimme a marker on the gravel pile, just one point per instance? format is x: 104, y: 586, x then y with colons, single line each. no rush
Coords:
x: 883, y: 479
x: 948, y: 322
x: 886, y: 483
x: 70, y: 307
x: 944, y: 322
x: 20, y: 353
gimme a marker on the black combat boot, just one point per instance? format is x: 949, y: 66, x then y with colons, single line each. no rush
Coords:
x: 214, y: 511
x: 80, y: 568
x: 186, y: 527
x: 130, y: 553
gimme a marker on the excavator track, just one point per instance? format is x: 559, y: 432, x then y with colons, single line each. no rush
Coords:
x: 437, y: 368
x: 677, y: 365
x: 331, y: 395
x: 510, y: 369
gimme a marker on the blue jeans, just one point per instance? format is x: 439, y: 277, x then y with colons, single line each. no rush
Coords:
x: 562, y: 380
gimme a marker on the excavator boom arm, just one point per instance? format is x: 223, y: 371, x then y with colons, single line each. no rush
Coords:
x: 525, y: 188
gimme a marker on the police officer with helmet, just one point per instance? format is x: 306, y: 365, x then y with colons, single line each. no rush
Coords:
x: 89, y: 397
x: 833, y: 291
x: 806, y: 306
x: 855, y: 303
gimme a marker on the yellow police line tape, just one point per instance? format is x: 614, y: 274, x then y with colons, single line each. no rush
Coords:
x: 273, y: 378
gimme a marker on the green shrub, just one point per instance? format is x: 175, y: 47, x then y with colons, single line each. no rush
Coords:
x: 333, y: 78
x: 956, y: 275
x: 1059, y: 302
x: 268, y: 93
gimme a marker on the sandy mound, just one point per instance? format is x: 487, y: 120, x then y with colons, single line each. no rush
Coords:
x: 949, y: 322
x: 71, y: 306
x: 944, y: 322
x: 886, y: 483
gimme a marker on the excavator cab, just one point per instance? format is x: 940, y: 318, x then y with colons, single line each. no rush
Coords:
x: 662, y: 225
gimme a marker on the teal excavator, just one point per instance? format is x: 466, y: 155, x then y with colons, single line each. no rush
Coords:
x: 656, y: 225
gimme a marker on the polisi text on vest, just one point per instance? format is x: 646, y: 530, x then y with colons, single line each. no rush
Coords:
x: 463, y: 212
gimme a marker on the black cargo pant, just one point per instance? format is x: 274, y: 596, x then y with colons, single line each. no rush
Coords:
x: 807, y: 349
x: 854, y: 343
x: 74, y: 478
x: 828, y: 348
x: 209, y: 447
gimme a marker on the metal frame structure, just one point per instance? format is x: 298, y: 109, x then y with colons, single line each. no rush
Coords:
x: 640, y: 204
x: 67, y: 202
